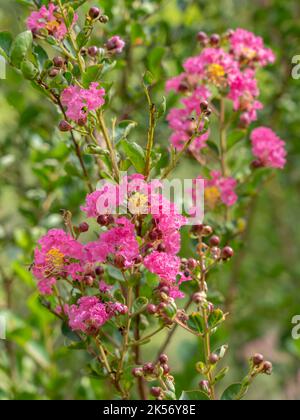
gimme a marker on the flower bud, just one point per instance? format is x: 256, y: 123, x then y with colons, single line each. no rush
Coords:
x: 102, y: 220
x: 213, y: 359
x: 161, y: 248
x: 257, y: 164
x: 214, y: 241
x: 83, y: 227
x: 198, y: 297
x: 215, y: 39
x: 93, y: 51
x: 53, y: 72
x: 82, y: 121
x: 227, y: 253
x: 202, y: 37
x: 94, y: 12
x: 89, y: 280
x: 138, y: 260
x: 151, y: 309
x: 104, y: 19
x: 204, y: 105
x: 148, y: 368
x: 156, y: 391
x: 99, y: 270
x: 166, y: 368
x: 258, y: 359
x: 268, y: 368
x: 64, y: 126
x: 197, y: 229
x: 163, y: 359
x: 192, y: 264
x: 207, y: 230
x: 137, y: 372
x: 58, y: 62
x: 204, y: 385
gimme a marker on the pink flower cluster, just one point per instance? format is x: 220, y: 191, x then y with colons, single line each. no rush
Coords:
x: 249, y: 49
x: 80, y: 101
x: 119, y: 241
x: 90, y: 314
x: 268, y: 148
x: 144, y: 198
x: 115, y: 45
x: 50, y: 20
x: 61, y: 257
x: 232, y: 70
x: 219, y: 190
x: 58, y: 255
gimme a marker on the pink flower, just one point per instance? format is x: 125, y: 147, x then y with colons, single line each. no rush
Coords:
x: 80, y: 101
x: 166, y: 266
x: 249, y: 48
x: 119, y: 241
x: 45, y: 286
x: 89, y: 314
x: 115, y: 45
x: 58, y: 255
x: 103, y: 287
x: 268, y: 148
x: 47, y: 18
x: 219, y: 190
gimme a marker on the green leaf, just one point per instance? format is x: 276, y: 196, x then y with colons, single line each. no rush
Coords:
x: 20, y: 48
x: 213, y: 147
x: 41, y: 56
x: 71, y: 335
x: 92, y: 74
x: 215, y: 318
x: 139, y: 303
x: 6, y: 41
x: 135, y: 153
x: 162, y: 108
x: 195, y: 322
x: 124, y: 128
x: 155, y: 59
x: 29, y: 70
x: 221, y: 375
x: 232, y: 392
x: 235, y: 137
x: 194, y: 396
x: 148, y: 79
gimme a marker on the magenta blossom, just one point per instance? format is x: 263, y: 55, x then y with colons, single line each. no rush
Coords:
x: 49, y: 19
x: 268, y: 148
x: 248, y: 48
x: 80, y: 101
x: 115, y: 45
x: 90, y: 314
x: 166, y: 266
x: 219, y: 190
x: 58, y: 255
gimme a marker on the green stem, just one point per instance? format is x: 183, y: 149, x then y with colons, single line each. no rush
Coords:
x: 179, y: 155
x: 109, y: 146
x: 151, y: 132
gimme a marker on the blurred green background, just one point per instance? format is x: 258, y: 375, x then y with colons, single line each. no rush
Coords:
x: 36, y: 182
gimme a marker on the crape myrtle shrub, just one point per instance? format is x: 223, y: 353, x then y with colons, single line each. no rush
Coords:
x: 115, y: 290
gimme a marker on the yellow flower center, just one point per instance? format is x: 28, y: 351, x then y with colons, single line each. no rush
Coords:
x: 248, y: 53
x: 212, y: 196
x: 138, y: 203
x: 55, y: 258
x: 216, y: 74
x: 52, y: 26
